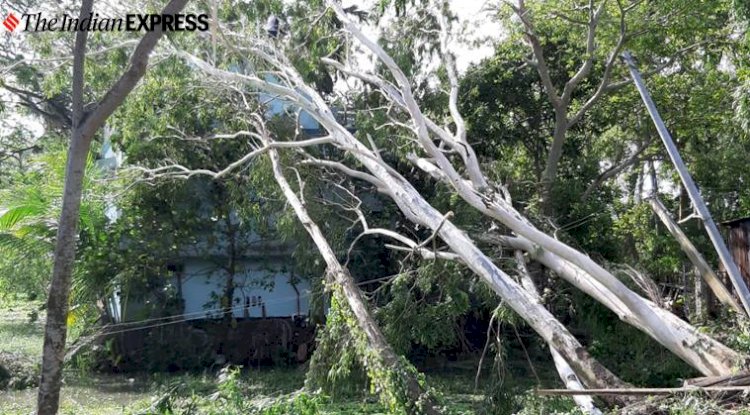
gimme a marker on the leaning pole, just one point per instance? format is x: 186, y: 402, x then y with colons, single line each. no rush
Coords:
x: 692, y: 189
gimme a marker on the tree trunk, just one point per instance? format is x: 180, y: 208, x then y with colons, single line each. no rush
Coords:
x: 85, y: 126
x: 384, y: 359
x: 226, y: 300
x: 702, y: 352
x: 418, y: 210
x: 705, y: 270
x: 55, y: 331
x: 553, y: 160
x: 569, y: 378
x: 567, y: 374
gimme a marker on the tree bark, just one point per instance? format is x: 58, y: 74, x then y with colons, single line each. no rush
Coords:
x: 85, y: 125
x: 567, y: 374
x: 702, y: 352
x: 57, y: 303
x: 553, y: 159
x: 418, y: 397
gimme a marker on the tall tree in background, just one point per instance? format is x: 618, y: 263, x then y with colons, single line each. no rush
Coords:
x: 86, y: 121
x: 666, y: 34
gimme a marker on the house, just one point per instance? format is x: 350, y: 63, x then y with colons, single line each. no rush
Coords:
x: 738, y: 242
x: 266, y: 285
x: 178, y: 319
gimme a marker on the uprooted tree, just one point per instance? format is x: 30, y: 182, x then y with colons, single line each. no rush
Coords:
x: 446, y: 155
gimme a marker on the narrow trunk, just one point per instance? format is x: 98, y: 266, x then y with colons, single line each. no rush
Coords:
x: 85, y: 125
x: 700, y: 296
x: 390, y: 370
x: 55, y: 330
x: 227, y: 299
x: 567, y: 374
x: 569, y: 378
x: 553, y: 160
x: 705, y: 270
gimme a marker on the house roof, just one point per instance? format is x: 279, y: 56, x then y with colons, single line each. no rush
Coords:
x: 735, y: 222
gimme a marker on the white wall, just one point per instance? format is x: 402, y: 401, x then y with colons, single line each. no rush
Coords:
x: 201, y: 278
x: 278, y: 106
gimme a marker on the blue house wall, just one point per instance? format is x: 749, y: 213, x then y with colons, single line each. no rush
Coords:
x: 263, y: 289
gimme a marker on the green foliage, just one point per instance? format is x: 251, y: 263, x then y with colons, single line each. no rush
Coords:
x: 335, y: 361
x: 28, y: 217
x: 336, y: 367
x: 422, y: 306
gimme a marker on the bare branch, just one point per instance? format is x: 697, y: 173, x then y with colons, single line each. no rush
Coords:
x: 585, y: 69
x: 604, y: 84
x: 178, y: 171
x: 449, y: 63
x: 349, y: 172
x: 540, y: 62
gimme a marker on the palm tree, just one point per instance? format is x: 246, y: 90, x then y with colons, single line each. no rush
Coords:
x: 29, y: 209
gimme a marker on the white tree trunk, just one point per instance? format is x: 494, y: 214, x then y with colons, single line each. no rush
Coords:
x: 686, y: 343
x: 567, y: 374
x: 383, y: 353
x: 569, y: 378
x: 702, y: 352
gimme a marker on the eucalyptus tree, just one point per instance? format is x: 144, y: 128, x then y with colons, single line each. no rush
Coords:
x: 447, y: 156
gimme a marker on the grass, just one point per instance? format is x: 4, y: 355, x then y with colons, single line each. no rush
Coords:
x: 89, y: 394
x: 19, y: 334
x: 105, y: 394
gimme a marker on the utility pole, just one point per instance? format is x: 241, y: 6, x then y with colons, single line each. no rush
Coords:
x: 692, y: 189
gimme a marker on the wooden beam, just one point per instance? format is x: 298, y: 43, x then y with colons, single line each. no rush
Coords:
x: 642, y: 391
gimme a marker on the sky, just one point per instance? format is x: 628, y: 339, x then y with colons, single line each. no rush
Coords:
x: 475, y: 12
x: 472, y: 14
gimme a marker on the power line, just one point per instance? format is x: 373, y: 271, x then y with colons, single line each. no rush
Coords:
x: 105, y: 329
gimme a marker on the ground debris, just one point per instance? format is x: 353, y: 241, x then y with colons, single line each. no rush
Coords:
x: 702, y: 402
x: 17, y: 371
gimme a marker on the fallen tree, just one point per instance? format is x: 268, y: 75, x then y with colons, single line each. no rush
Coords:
x: 395, y: 379
x: 697, y: 349
x: 417, y: 209
x: 446, y: 155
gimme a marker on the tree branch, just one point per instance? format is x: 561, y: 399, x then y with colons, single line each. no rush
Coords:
x: 137, y: 67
